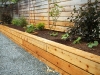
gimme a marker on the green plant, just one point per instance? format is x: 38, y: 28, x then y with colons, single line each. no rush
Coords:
x: 77, y: 40
x: 93, y: 44
x: 40, y: 26
x: 30, y: 28
x: 23, y: 21
x: 65, y: 36
x: 87, y: 22
x: 16, y: 22
x: 19, y: 21
x: 6, y: 18
x: 54, y: 13
x: 15, y: 1
x: 54, y: 34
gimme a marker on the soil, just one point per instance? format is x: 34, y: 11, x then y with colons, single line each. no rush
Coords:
x: 46, y: 34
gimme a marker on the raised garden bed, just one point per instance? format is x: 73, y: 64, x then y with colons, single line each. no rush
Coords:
x: 46, y: 34
x: 67, y: 60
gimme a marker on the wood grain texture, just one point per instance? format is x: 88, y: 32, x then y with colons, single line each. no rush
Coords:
x: 39, y: 10
x: 65, y: 59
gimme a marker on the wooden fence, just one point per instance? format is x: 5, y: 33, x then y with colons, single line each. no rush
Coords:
x: 38, y: 11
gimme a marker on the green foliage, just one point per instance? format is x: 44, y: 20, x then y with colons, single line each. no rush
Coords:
x: 19, y: 21
x: 54, y: 34
x: 65, y: 36
x: 15, y: 1
x: 54, y: 13
x: 16, y: 22
x: 40, y: 26
x: 23, y: 21
x: 6, y: 18
x: 87, y: 22
x: 30, y: 28
x: 77, y: 40
x: 93, y: 44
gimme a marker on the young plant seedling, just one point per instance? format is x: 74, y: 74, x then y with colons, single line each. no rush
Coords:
x: 30, y: 28
x: 93, y: 44
x: 77, y: 40
x: 54, y: 34
x: 65, y: 36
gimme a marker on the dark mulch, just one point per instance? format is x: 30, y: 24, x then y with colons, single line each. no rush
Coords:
x: 46, y: 34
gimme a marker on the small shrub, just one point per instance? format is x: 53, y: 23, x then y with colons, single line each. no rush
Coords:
x: 30, y: 28
x: 16, y: 22
x: 87, y: 22
x: 23, y: 21
x: 40, y: 26
x: 6, y: 18
x: 19, y: 21
x: 54, y: 14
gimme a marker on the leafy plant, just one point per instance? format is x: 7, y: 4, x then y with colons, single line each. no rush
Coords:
x: 23, y: 21
x: 16, y: 22
x: 54, y: 13
x: 54, y: 34
x: 77, y: 40
x: 87, y: 22
x: 65, y: 36
x: 19, y: 21
x: 30, y: 28
x: 93, y: 44
x: 6, y: 18
x: 40, y: 26
x: 15, y: 1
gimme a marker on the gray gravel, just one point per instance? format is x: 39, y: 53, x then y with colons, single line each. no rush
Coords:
x: 14, y: 60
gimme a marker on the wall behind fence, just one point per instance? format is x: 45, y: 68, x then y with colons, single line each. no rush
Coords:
x: 36, y: 11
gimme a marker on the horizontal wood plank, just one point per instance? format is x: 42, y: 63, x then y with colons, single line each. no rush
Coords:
x: 56, y: 61
x: 67, y: 59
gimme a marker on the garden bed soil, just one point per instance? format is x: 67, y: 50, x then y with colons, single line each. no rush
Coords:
x: 46, y: 34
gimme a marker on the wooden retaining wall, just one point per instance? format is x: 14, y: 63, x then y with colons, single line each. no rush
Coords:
x: 64, y: 59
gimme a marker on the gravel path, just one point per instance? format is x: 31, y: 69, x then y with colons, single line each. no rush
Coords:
x: 14, y: 60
